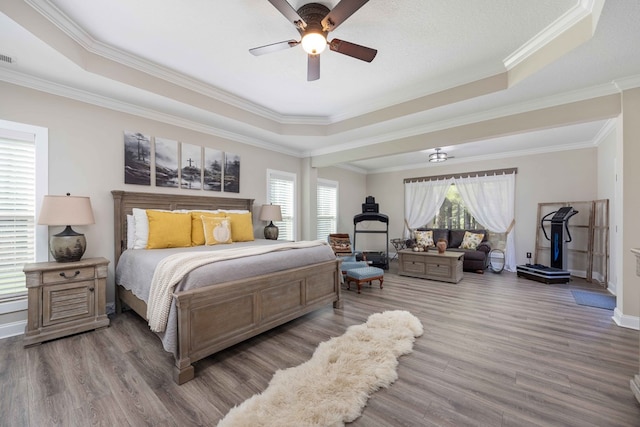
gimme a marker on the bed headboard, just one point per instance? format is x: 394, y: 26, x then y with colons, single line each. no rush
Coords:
x: 125, y: 201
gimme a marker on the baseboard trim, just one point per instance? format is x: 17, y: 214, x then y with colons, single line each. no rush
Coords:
x: 12, y: 329
x: 626, y: 321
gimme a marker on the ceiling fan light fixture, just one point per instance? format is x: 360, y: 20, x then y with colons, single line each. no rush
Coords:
x: 314, y: 43
x: 438, y: 156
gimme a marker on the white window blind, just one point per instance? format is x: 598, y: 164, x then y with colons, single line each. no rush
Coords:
x: 17, y: 212
x: 327, y: 206
x: 281, y: 190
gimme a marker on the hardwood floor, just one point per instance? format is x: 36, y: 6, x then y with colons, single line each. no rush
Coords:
x: 497, y: 351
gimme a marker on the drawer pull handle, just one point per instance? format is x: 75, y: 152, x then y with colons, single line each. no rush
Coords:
x: 63, y: 274
x: 91, y: 289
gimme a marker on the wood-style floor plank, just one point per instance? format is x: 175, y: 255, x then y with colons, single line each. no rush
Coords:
x: 497, y: 350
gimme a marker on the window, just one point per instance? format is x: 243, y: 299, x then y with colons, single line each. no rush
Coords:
x: 453, y: 214
x: 327, y: 206
x: 23, y: 183
x: 281, y: 190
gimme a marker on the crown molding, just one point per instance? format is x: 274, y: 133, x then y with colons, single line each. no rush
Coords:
x: 88, y: 43
x: 36, y: 83
x: 626, y: 83
x: 570, y: 18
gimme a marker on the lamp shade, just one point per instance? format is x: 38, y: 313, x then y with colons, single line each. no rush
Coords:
x: 270, y: 213
x: 66, y: 210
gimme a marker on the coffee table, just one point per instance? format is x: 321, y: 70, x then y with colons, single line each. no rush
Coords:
x: 445, y: 267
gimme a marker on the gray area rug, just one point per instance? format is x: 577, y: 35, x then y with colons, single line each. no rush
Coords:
x: 595, y: 299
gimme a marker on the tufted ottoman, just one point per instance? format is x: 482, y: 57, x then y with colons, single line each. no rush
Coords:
x: 364, y: 274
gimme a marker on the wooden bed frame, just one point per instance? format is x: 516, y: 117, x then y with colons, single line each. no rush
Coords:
x: 213, y: 318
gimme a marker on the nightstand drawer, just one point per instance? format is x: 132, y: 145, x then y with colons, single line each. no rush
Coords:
x: 65, y: 275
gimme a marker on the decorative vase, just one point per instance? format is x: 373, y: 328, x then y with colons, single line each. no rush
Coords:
x: 441, y: 245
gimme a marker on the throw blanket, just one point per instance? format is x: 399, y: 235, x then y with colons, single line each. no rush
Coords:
x: 174, y: 267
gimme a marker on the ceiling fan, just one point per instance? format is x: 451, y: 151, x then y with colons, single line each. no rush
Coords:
x: 314, y: 21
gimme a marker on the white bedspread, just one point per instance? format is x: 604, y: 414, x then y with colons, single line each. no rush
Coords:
x: 173, y: 268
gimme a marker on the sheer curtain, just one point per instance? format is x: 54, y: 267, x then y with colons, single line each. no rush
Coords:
x: 422, y: 200
x: 491, y: 200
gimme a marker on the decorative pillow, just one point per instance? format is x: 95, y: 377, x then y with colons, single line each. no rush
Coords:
x: 141, y: 234
x: 241, y: 225
x: 423, y: 238
x: 168, y: 229
x: 131, y: 231
x: 471, y: 240
x: 197, y: 230
x: 216, y: 229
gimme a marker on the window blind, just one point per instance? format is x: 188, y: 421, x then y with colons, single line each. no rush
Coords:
x: 281, y: 190
x: 17, y: 213
x: 327, y: 207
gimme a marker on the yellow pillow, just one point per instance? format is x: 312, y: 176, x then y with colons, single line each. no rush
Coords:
x: 168, y: 230
x: 241, y: 226
x: 216, y: 230
x: 197, y: 232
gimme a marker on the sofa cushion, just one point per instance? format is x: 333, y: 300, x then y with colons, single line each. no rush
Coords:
x: 455, y: 238
x: 440, y: 233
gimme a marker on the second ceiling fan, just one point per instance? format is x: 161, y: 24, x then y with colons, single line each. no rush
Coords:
x: 314, y: 21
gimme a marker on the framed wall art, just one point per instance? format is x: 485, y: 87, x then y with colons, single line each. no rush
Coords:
x: 231, y: 173
x: 137, y: 158
x: 213, y: 161
x: 166, y: 156
x: 191, y: 171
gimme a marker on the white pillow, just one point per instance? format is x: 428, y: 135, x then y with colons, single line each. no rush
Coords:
x: 131, y: 231
x: 141, y: 234
x: 239, y: 211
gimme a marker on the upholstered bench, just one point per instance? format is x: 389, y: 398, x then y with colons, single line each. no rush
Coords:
x: 363, y: 275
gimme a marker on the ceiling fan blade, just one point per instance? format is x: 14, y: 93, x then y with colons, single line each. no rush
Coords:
x: 354, y: 50
x: 289, y: 12
x: 313, y: 67
x: 273, y: 47
x: 340, y: 13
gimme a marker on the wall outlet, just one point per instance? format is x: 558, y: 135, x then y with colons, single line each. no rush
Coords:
x: 528, y: 255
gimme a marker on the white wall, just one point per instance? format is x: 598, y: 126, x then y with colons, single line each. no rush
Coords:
x: 607, y: 190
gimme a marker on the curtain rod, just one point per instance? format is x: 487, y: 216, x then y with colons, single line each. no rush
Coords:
x: 463, y: 175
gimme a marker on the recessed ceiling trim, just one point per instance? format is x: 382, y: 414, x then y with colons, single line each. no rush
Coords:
x: 32, y: 82
x: 564, y: 23
x: 577, y: 112
x: 493, y: 114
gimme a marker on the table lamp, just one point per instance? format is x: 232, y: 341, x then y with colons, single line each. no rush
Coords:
x: 270, y: 213
x: 66, y: 246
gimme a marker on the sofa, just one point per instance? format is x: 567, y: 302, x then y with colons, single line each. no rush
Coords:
x: 476, y: 260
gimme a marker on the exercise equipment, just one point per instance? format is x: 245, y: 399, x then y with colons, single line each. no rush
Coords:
x: 559, y: 224
x: 557, y: 271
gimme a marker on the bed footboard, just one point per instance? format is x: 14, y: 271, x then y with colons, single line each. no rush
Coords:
x: 212, y: 319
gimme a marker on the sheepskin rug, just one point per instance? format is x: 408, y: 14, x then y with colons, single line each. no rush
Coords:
x: 333, y: 386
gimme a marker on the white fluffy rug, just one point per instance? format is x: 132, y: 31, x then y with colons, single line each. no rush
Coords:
x: 333, y: 386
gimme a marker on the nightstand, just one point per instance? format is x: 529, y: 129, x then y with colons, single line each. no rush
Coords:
x: 65, y: 298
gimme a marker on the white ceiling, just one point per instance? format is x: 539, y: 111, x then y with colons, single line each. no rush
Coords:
x: 187, y: 62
